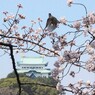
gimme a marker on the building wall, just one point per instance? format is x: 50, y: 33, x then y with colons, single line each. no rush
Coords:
x: 38, y: 74
x: 45, y: 75
x: 23, y: 66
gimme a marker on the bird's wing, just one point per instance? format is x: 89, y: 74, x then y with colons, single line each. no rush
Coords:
x: 55, y: 21
x: 49, y: 21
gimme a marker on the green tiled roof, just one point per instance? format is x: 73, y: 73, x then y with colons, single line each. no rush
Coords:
x: 23, y: 71
x: 32, y: 60
x: 39, y: 71
x: 44, y: 71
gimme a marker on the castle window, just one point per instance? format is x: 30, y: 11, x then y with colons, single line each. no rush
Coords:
x: 24, y: 67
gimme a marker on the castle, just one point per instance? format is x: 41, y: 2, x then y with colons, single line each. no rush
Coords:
x: 33, y: 67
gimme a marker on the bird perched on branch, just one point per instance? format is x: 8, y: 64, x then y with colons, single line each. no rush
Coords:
x: 52, y: 23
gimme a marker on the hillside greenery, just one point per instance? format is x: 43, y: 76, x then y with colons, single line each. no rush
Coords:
x: 8, y: 86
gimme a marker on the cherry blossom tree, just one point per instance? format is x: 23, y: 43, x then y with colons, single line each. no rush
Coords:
x: 65, y: 48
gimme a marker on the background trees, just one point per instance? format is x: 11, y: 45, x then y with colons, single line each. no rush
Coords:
x: 37, y: 86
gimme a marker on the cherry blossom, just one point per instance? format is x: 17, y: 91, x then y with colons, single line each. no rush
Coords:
x: 90, y: 65
x: 80, y: 83
x: 88, y: 83
x: 86, y: 22
x: 39, y: 19
x: 63, y: 20
x: 57, y: 64
x: 21, y: 16
x: 89, y: 49
x: 76, y: 25
x: 91, y: 17
x: 60, y: 69
x: 69, y: 2
x: 5, y: 12
x: 93, y: 44
x: 59, y: 87
x: 19, y: 6
x: 56, y: 46
x: 92, y: 30
x: 72, y: 73
x: 71, y: 56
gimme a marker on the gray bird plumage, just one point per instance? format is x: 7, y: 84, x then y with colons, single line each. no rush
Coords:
x: 51, y: 23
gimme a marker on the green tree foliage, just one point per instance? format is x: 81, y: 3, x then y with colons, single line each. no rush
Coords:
x: 12, y: 75
x: 8, y: 86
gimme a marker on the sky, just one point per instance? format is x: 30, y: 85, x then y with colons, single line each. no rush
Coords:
x: 33, y: 9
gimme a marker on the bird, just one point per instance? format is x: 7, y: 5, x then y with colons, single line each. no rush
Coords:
x: 52, y: 23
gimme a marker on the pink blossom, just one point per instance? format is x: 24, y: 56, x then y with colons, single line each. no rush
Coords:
x: 91, y: 18
x: 24, y: 27
x: 56, y: 78
x: 60, y: 69
x: 88, y: 83
x: 93, y: 92
x: 56, y: 46
x: 93, y: 44
x: 72, y: 43
x: 85, y: 92
x: 39, y: 19
x: 55, y: 72
x: 71, y: 56
x: 69, y: 2
x: 59, y: 87
x: 85, y: 31
x: 89, y: 49
x: 86, y: 22
x: 63, y: 20
x: 33, y: 22
x: 38, y: 30
x: 8, y: 18
x: 90, y: 65
x: 72, y: 73
x: 5, y: 12
x: 76, y: 25
x: 21, y: 16
x: 19, y: 6
x: 92, y: 30
x: 61, y: 59
x: 15, y: 27
x: 57, y: 64
x: 80, y: 83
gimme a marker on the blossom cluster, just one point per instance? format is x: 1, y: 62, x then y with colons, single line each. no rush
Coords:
x: 82, y: 88
x: 71, y: 56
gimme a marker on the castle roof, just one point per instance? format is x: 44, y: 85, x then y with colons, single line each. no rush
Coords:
x: 32, y: 60
x: 37, y: 71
